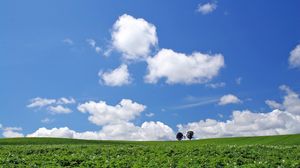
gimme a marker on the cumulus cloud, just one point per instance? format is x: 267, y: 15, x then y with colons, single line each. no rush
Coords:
x: 116, y: 124
x: 147, y: 131
x: 11, y: 132
x: 229, y: 99
x: 291, y: 101
x: 102, y: 113
x: 206, y: 8
x: 133, y: 37
x: 181, y: 68
x: 117, y: 77
x: 119, y: 131
x: 294, y: 59
x: 59, y: 109
x: 247, y: 123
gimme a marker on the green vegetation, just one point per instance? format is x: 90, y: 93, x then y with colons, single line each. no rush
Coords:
x: 267, y: 151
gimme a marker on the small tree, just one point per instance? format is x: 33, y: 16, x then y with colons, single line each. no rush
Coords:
x: 190, y: 135
x: 179, y: 136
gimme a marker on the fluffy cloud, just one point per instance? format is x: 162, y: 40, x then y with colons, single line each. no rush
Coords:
x: 40, y: 102
x: 63, y: 132
x: 120, y: 131
x: 103, y: 114
x: 182, y: 68
x: 229, y: 99
x: 206, y: 8
x: 247, y: 123
x: 291, y: 101
x: 273, y: 104
x: 117, y: 77
x: 52, y: 105
x: 294, y: 59
x: 59, y: 109
x: 133, y: 37
x: 11, y: 132
x: 147, y: 131
x: 115, y: 122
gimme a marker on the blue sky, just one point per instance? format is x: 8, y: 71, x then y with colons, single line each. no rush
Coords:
x: 71, y: 49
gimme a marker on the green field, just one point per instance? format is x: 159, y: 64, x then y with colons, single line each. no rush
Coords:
x: 267, y: 151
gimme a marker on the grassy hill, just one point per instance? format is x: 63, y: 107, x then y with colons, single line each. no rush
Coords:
x: 264, y: 151
x: 262, y: 140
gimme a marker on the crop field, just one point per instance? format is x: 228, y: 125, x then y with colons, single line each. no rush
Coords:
x: 268, y: 151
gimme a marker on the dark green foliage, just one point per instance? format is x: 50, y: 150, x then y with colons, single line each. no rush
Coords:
x: 179, y: 136
x: 190, y: 135
x: 275, y: 151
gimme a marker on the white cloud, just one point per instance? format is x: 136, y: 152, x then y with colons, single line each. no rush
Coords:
x: 181, y: 68
x: 12, y: 134
x: 68, y: 41
x: 64, y: 100
x: 63, y: 132
x: 247, y: 123
x: 92, y: 43
x: 197, y: 102
x: 102, y: 114
x: 47, y: 120
x: 117, y: 77
x: 273, y: 104
x: 291, y: 101
x: 229, y: 99
x: 98, y: 50
x: 12, y: 129
x: 55, y: 106
x: 40, y: 102
x: 216, y: 85
x: 133, y: 37
x: 206, y: 8
x: 128, y: 131
x: 294, y: 59
x: 119, y: 131
x: 150, y: 114
x: 59, y: 109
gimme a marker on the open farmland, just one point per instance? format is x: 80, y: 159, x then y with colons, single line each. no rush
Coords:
x: 267, y: 151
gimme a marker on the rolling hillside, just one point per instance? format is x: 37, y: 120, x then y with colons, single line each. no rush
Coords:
x: 265, y: 151
x: 262, y: 140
